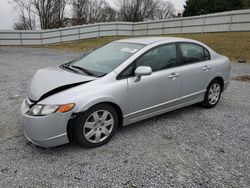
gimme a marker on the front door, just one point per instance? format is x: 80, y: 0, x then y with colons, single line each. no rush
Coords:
x: 158, y: 91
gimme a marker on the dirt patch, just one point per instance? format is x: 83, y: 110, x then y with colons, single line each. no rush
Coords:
x: 243, y: 78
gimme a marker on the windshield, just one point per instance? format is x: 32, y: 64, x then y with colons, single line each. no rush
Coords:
x: 105, y: 59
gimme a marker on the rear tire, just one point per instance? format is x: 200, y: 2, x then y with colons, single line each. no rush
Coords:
x: 213, y: 94
x: 96, y: 126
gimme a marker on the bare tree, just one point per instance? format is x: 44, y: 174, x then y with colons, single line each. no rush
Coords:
x: 164, y: 10
x: 108, y: 14
x: 137, y: 10
x: 92, y: 11
x: 26, y: 17
x: 95, y: 10
x: 80, y: 12
x: 43, y: 9
x: 50, y: 12
x: 58, y: 13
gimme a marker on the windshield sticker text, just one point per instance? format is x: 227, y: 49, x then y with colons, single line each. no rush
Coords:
x: 130, y: 50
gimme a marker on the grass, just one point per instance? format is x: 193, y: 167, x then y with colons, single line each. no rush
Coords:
x: 235, y: 45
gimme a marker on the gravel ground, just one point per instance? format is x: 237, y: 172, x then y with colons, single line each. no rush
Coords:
x: 190, y: 147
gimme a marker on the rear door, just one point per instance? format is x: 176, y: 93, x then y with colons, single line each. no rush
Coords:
x: 195, y: 70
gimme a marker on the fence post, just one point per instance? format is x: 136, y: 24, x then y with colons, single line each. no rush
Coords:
x: 181, y: 26
x: 147, y: 29
x: 21, y: 38
x: 99, y: 29
x: 116, y: 29
x: 230, y: 22
x: 133, y: 28
x: 41, y: 38
x: 203, y: 26
x: 79, y: 33
x: 163, y: 27
x: 61, y: 35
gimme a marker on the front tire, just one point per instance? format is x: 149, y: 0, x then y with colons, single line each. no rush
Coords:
x: 213, y: 94
x: 96, y: 126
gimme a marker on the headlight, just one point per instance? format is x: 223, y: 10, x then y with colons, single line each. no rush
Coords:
x: 43, y: 110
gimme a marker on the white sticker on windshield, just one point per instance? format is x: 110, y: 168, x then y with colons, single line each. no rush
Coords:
x: 130, y: 50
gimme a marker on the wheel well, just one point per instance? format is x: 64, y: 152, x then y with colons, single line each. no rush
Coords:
x: 220, y: 79
x: 118, y: 110
x: 71, y: 127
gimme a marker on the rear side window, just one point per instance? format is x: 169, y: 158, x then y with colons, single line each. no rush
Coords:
x: 192, y: 53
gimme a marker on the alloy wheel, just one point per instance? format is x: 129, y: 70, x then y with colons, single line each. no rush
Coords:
x: 98, y: 126
x: 214, y: 93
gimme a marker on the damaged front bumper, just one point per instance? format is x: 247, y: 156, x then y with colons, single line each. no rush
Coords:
x: 45, y: 131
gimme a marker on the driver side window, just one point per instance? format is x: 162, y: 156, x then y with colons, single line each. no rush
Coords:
x: 159, y: 58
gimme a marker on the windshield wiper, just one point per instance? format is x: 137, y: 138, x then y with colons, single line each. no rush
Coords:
x: 67, y: 66
x: 84, y: 70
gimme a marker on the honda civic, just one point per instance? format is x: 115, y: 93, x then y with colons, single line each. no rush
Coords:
x: 123, y: 82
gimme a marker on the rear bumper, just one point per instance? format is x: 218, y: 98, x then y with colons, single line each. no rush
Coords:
x: 45, y: 131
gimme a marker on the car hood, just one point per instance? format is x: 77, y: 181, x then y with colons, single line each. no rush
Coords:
x: 52, y: 80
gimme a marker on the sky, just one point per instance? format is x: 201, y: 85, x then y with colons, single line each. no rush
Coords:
x: 8, y: 16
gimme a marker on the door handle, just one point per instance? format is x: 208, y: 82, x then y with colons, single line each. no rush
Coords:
x: 206, y: 68
x: 174, y: 75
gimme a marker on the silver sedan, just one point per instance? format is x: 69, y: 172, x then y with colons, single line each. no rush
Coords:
x: 125, y: 81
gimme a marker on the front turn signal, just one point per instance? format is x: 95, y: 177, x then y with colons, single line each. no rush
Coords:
x: 66, y: 107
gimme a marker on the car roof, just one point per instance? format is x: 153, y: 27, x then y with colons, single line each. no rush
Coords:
x: 150, y: 40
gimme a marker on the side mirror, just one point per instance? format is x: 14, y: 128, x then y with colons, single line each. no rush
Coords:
x: 142, y: 71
